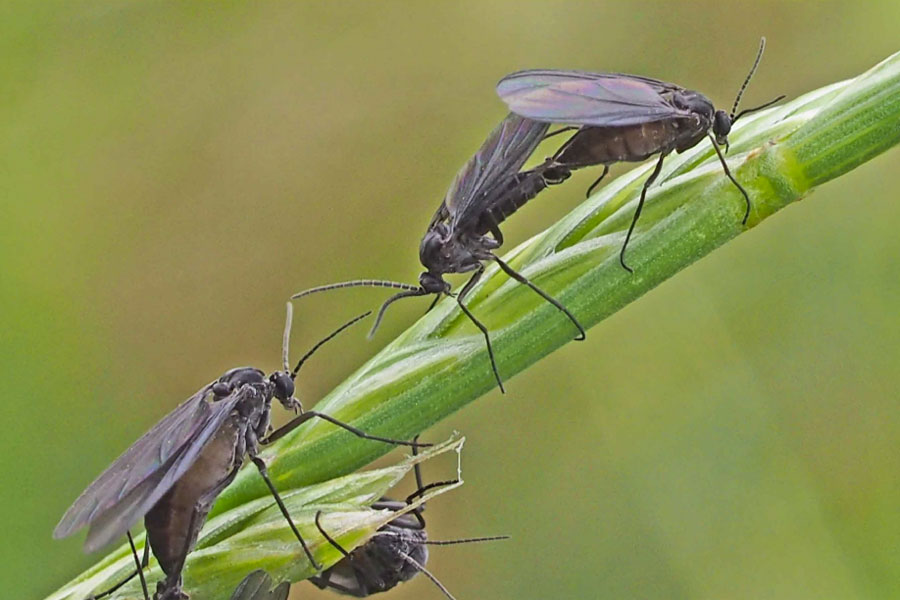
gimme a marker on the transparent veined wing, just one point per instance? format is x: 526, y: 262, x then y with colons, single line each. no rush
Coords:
x: 500, y: 157
x: 582, y: 98
x: 129, y: 487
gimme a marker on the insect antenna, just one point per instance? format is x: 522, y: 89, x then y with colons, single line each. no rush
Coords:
x: 737, y: 101
x: 747, y: 111
x: 356, y: 283
x: 317, y: 345
x: 474, y: 540
x: 427, y: 574
x: 408, y: 293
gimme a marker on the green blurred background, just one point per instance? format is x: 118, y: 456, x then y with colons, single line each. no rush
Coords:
x: 173, y: 171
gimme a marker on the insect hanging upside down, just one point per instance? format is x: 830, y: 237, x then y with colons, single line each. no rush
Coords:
x: 396, y: 553
x: 617, y: 117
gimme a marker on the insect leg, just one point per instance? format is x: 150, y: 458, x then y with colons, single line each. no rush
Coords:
x: 417, y: 512
x: 525, y: 281
x: 310, y: 414
x: 637, y: 212
x: 487, y: 338
x: 731, y: 177
x: 363, y: 572
x: 417, y: 471
x: 331, y: 540
x: 558, y: 131
x: 141, y: 565
x: 596, y: 183
x: 264, y: 472
x: 498, y: 235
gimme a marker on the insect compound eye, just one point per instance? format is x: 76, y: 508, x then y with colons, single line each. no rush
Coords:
x: 284, y: 385
x: 721, y: 126
x: 221, y: 388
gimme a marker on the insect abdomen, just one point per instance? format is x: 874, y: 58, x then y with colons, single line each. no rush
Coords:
x: 518, y: 191
x: 607, y: 145
x: 168, y: 523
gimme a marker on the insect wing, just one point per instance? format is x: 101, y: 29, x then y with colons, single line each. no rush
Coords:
x: 581, y: 98
x: 501, y: 156
x: 129, y: 487
x: 256, y: 586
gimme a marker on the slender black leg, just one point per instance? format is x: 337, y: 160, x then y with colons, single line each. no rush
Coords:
x: 525, y: 281
x: 264, y: 472
x: 426, y: 488
x: 138, y: 564
x: 362, y: 575
x: 310, y: 414
x: 558, y: 131
x: 596, y: 183
x: 498, y: 235
x: 417, y: 471
x: 417, y: 512
x: 487, y: 338
x: 331, y: 540
x: 141, y: 564
x: 637, y: 212
x: 731, y: 177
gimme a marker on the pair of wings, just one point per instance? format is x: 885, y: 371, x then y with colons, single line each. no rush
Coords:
x: 538, y: 98
x: 129, y: 488
x: 257, y: 586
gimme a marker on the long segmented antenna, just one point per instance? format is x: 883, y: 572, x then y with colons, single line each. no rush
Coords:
x: 356, y: 283
x: 747, y: 111
x: 474, y: 540
x: 427, y: 574
x: 286, y: 337
x: 407, y: 293
x: 762, y: 46
x: 326, y: 339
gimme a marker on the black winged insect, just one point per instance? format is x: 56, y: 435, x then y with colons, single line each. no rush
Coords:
x: 457, y: 239
x: 617, y: 118
x: 396, y: 553
x: 258, y: 586
x: 175, y: 471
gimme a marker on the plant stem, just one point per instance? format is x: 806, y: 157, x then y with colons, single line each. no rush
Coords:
x: 440, y: 364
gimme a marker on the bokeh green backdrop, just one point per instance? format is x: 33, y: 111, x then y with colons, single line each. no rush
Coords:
x: 171, y: 172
